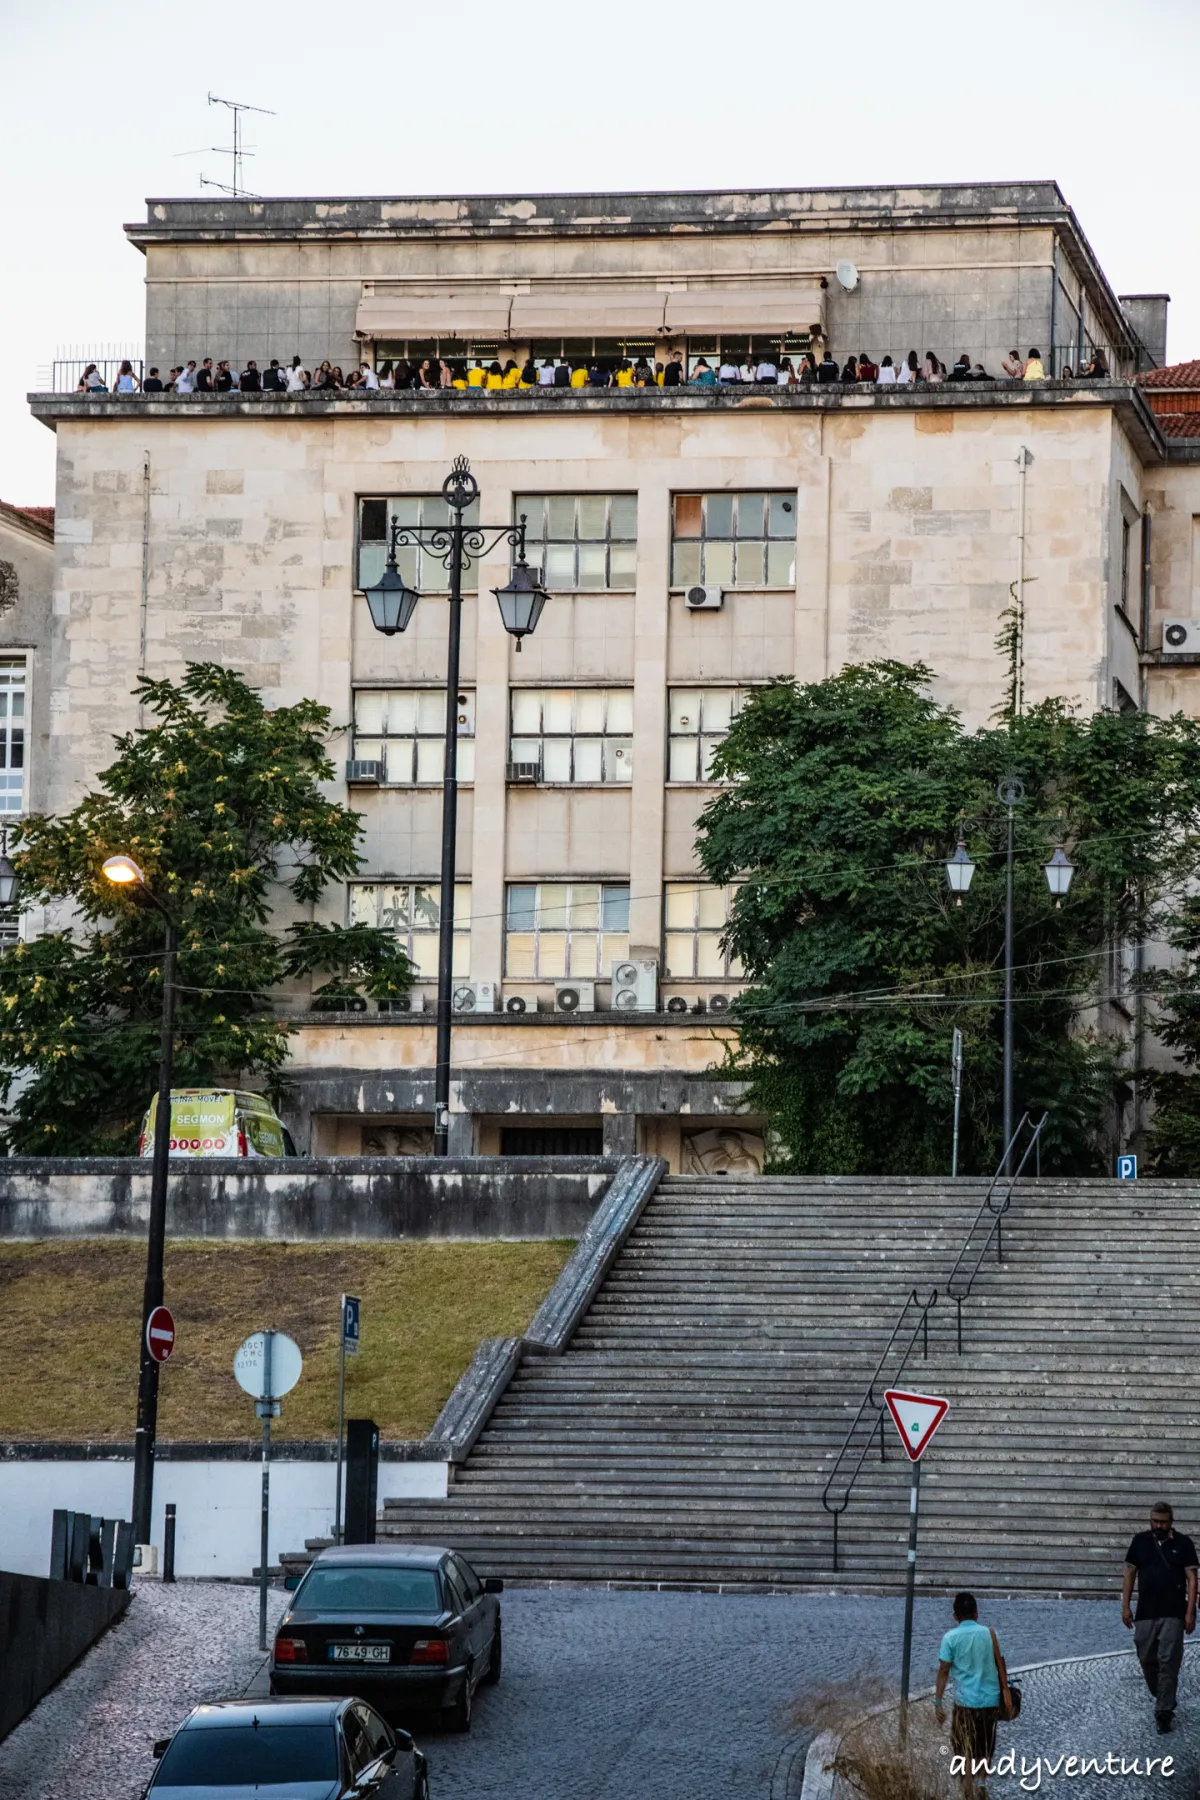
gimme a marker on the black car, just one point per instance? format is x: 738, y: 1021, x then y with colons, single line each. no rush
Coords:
x: 316, y: 1749
x: 411, y: 1629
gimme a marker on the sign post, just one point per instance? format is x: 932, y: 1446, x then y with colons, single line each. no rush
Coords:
x: 351, y: 1306
x: 267, y: 1366
x: 1127, y: 1168
x: 916, y: 1418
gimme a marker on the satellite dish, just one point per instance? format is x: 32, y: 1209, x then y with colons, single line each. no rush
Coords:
x: 847, y: 274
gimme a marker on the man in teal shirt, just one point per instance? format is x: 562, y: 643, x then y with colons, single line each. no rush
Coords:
x: 979, y: 1675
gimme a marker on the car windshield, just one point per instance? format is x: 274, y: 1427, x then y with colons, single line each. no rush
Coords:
x: 242, y: 1755
x: 364, y: 1590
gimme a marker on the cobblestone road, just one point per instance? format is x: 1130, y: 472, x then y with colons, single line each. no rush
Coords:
x: 605, y: 1696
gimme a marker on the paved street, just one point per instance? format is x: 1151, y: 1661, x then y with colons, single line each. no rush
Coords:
x: 605, y: 1696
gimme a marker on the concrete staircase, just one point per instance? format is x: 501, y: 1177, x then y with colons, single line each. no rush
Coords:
x: 687, y: 1433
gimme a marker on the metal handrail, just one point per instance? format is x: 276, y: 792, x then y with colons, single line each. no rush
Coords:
x: 868, y: 1401
x: 958, y: 1290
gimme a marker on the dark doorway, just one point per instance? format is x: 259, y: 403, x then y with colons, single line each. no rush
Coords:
x: 551, y: 1140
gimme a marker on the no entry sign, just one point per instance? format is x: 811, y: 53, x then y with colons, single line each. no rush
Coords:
x: 160, y: 1334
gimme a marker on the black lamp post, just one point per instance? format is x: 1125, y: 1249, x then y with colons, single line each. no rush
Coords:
x: 1010, y: 791
x: 392, y: 605
x: 122, y: 871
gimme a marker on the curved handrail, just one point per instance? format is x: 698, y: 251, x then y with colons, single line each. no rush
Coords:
x: 868, y: 1401
x: 960, y: 1294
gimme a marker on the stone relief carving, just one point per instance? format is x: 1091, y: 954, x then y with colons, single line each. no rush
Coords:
x: 722, y: 1151
x: 10, y: 587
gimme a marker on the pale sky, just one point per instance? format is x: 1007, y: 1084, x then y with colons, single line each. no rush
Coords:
x: 101, y: 97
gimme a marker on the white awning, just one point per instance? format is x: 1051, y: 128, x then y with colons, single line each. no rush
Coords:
x: 745, y: 310
x: 434, y: 313
x: 585, y: 311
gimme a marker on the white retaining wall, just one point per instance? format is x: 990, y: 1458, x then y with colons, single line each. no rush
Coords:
x: 218, y: 1517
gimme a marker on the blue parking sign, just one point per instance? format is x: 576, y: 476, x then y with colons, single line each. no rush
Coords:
x: 350, y: 1308
x: 1127, y: 1168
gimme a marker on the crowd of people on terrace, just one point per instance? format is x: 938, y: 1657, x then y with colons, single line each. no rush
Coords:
x: 762, y: 370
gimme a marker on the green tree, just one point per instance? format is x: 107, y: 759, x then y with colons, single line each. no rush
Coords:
x: 846, y: 797
x: 220, y: 802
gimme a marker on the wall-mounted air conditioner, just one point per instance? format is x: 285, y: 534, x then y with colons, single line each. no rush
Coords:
x: 704, y: 599
x: 473, y: 997
x: 524, y: 772
x: 719, y: 1003
x: 403, y: 1003
x: 364, y: 773
x: 518, y: 1002
x: 1181, y: 637
x: 574, y: 996
x: 634, y: 986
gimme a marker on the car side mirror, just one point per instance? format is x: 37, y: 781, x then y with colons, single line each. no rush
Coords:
x: 161, y: 1746
x: 493, y: 1585
x: 292, y: 1582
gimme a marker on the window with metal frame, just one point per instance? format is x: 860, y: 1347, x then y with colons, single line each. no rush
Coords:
x: 576, y: 735
x: 405, y: 730
x: 12, y: 734
x: 421, y: 568
x: 734, y: 540
x: 581, y: 540
x: 412, y: 910
x: 558, y: 928
x: 699, y: 720
x: 695, y: 915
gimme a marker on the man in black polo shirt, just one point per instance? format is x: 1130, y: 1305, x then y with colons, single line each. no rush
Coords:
x: 1163, y: 1563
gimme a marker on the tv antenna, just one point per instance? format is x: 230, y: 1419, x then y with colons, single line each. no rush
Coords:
x: 237, y: 150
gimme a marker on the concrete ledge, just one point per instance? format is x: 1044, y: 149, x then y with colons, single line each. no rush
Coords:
x: 305, y: 1198
x: 555, y: 1321
x: 473, y: 1401
x: 45, y: 1627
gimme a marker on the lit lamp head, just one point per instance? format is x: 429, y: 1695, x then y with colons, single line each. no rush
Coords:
x: 521, y: 602
x: 1058, y: 875
x: 959, y: 872
x: 122, y: 871
x: 392, y: 604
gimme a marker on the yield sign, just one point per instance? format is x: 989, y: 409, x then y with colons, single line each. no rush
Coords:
x: 916, y: 1418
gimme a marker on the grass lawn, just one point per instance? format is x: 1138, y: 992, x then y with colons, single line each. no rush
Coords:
x: 71, y: 1312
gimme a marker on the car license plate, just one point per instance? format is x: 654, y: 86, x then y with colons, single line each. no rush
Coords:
x: 362, y: 1653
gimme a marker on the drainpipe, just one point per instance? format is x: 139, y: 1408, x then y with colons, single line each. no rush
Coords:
x: 1053, y: 301
x: 1023, y: 461
x: 1139, y: 1001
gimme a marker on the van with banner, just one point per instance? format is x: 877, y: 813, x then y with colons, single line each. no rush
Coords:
x: 218, y: 1122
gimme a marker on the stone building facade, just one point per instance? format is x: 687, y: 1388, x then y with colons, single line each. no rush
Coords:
x: 834, y: 524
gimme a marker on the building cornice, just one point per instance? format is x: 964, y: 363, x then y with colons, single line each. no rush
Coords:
x: 1123, y: 398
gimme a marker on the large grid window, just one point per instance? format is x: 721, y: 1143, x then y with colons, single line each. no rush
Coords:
x: 12, y: 734
x: 576, y: 735
x: 412, y: 910
x: 405, y: 730
x: 559, y: 928
x: 734, y: 540
x: 699, y: 720
x: 421, y: 569
x: 694, y: 917
x: 581, y: 540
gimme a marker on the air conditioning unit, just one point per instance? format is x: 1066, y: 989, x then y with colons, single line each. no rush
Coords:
x: 705, y: 599
x: 634, y: 986
x: 677, y: 1003
x: 518, y: 1003
x: 574, y: 996
x: 719, y: 1003
x: 1181, y: 637
x: 473, y: 997
x: 364, y: 774
x: 524, y: 771
x: 402, y: 1004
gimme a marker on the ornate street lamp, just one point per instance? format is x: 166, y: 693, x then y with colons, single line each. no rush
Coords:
x: 960, y: 871
x: 10, y: 881
x: 122, y: 871
x: 1059, y: 873
x: 392, y: 604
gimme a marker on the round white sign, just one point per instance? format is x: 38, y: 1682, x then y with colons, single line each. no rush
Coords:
x: 250, y: 1365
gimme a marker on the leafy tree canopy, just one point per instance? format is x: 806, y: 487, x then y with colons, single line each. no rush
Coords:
x: 847, y: 795
x: 220, y: 803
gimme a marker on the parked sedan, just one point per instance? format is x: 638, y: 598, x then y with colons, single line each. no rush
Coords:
x: 317, y: 1749
x: 410, y: 1629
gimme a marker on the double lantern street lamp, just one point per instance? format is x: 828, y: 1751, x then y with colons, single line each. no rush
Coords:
x: 1010, y: 791
x: 392, y: 603
x: 122, y: 871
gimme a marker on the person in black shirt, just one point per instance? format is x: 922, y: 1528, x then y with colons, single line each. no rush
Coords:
x: 204, y: 376
x: 152, y: 383
x: 251, y: 382
x: 1162, y: 1561
x: 273, y: 378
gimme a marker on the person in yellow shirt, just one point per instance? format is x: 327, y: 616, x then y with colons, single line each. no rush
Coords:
x: 495, y: 376
x: 511, y: 375
x: 1034, y: 368
x: 625, y: 376
x: 476, y: 376
x: 579, y: 376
